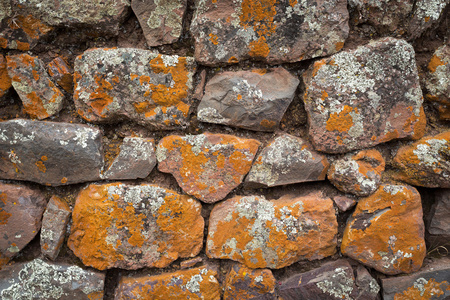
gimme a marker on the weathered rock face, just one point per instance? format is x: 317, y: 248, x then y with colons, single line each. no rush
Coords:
x: 368, y: 287
x: 268, y: 30
x: 287, y: 159
x: 5, y: 80
x: 426, y: 14
x: 425, y: 163
x: 161, y: 20
x: 199, y: 283
x: 21, y: 210
x: 130, y: 227
x: 344, y: 203
x: 272, y: 234
x: 353, y: 102
x: 38, y: 279
x: 386, y: 231
x: 40, y: 96
x: 254, y: 100
x: 157, y: 87
x: 440, y: 215
x: 61, y: 73
x: 35, y: 151
x: 207, y: 166
x: 358, y: 174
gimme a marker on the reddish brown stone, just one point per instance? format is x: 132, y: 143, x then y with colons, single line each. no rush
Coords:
x: 5, y: 80
x: 426, y: 15
x: 190, y: 262
x: 344, y: 203
x: 61, y: 73
x: 207, y: 166
x: 368, y: 287
x: 439, y: 226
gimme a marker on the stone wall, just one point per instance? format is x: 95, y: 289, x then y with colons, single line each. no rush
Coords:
x: 224, y: 149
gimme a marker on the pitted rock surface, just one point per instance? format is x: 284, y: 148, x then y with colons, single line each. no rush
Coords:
x: 130, y: 227
x: 207, y: 166
x: 358, y: 174
x: 426, y: 15
x: 5, y: 80
x: 425, y: 162
x: 272, y: 234
x: 254, y: 100
x: 21, y: 209
x: 39, y: 279
x: 353, y: 102
x: 161, y: 20
x: 140, y: 85
x: 36, y: 151
x: 41, y: 98
x: 287, y: 159
x: 386, y: 231
x: 61, y: 73
x: 272, y: 31
x: 440, y: 215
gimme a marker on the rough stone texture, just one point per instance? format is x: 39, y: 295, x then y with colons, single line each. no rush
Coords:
x: 40, y: 96
x: 358, y: 174
x: 426, y: 14
x: 254, y: 100
x: 38, y: 279
x: 21, y: 210
x: 426, y: 162
x: 161, y: 20
x: 198, y: 283
x: 61, y: 73
x: 244, y: 283
x: 36, y: 151
x: 269, y: 30
x: 190, y: 262
x: 54, y: 223
x: 207, y: 166
x: 440, y: 215
x: 5, y: 80
x: 432, y: 282
x: 122, y: 226
x: 287, y: 159
x: 438, y: 81
x: 272, y: 234
x: 136, y: 159
x: 368, y: 287
x: 386, y: 231
x: 125, y: 83
x: 353, y: 102
x: 344, y: 203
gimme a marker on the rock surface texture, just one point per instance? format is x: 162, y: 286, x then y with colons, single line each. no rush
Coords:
x: 61, y: 73
x: 440, y: 215
x: 425, y: 15
x: 5, y: 80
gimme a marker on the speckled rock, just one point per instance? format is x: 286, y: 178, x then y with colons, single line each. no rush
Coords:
x: 368, y: 288
x: 386, y: 231
x: 130, y: 227
x: 244, y: 283
x: 345, y: 202
x: 426, y: 162
x: 431, y: 282
x: 136, y: 159
x: 54, y: 223
x: 358, y: 174
x: 5, y: 80
x: 148, y: 88
x: 287, y: 159
x: 353, y: 102
x: 40, y: 96
x: 272, y: 234
x: 38, y: 279
x: 255, y: 100
x: 161, y: 20
x: 426, y: 15
x: 438, y: 81
x: 271, y: 31
x: 21, y: 209
x: 440, y: 215
x: 61, y: 73
x: 49, y: 153
x: 207, y: 166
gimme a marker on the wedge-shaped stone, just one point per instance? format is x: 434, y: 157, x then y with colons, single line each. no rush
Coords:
x: 439, y: 223
x: 61, y: 73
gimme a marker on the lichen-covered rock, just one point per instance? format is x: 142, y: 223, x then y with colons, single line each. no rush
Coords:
x: 255, y: 100
x: 272, y: 234
x: 61, y: 73
x: 386, y: 231
x: 368, y: 287
x: 358, y: 174
x: 38, y: 279
x: 160, y: 20
x: 440, y: 215
x: 273, y: 31
x: 41, y: 98
x: 123, y: 226
x: 5, y: 80
x: 198, y: 283
x: 425, y: 162
x: 21, y: 210
x: 140, y: 85
x: 49, y: 153
x: 353, y: 102
x: 244, y: 283
x: 54, y: 223
x: 426, y: 15
x: 287, y: 159
x: 207, y: 166
x: 136, y: 159
x: 438, y: 81
x: 431, y: 282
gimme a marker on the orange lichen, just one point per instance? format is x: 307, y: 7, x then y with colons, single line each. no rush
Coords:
x: 259, y: 48
x: 5, y: 80
x: 3, y: 43
x: 419, y: 125
x: 427, y: 19
x: 268, y: 123
x: 213, y: 39
x: 434, y: 63
x: 4, y: 215
x: 256, y: 282
x: 317, y: 65
x: 95, y: 295
x: 32, y: 26
x: 430, y: 290
x: 41, y: 167
x: 233, y: 60
x: 60, y: 71
x: 339, y: 45
x: 341, y: 121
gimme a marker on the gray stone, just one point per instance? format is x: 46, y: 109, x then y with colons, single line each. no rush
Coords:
x: 426, y: 15
x: 368, y: 287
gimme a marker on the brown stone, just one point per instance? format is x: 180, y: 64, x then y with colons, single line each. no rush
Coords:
x: 344, y: 203
x: 368, y: 288
x: 190, y: 262
x: 426, y: 15
x: 439, y: 226
x: 5, y: 80
x: 61, y: 73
